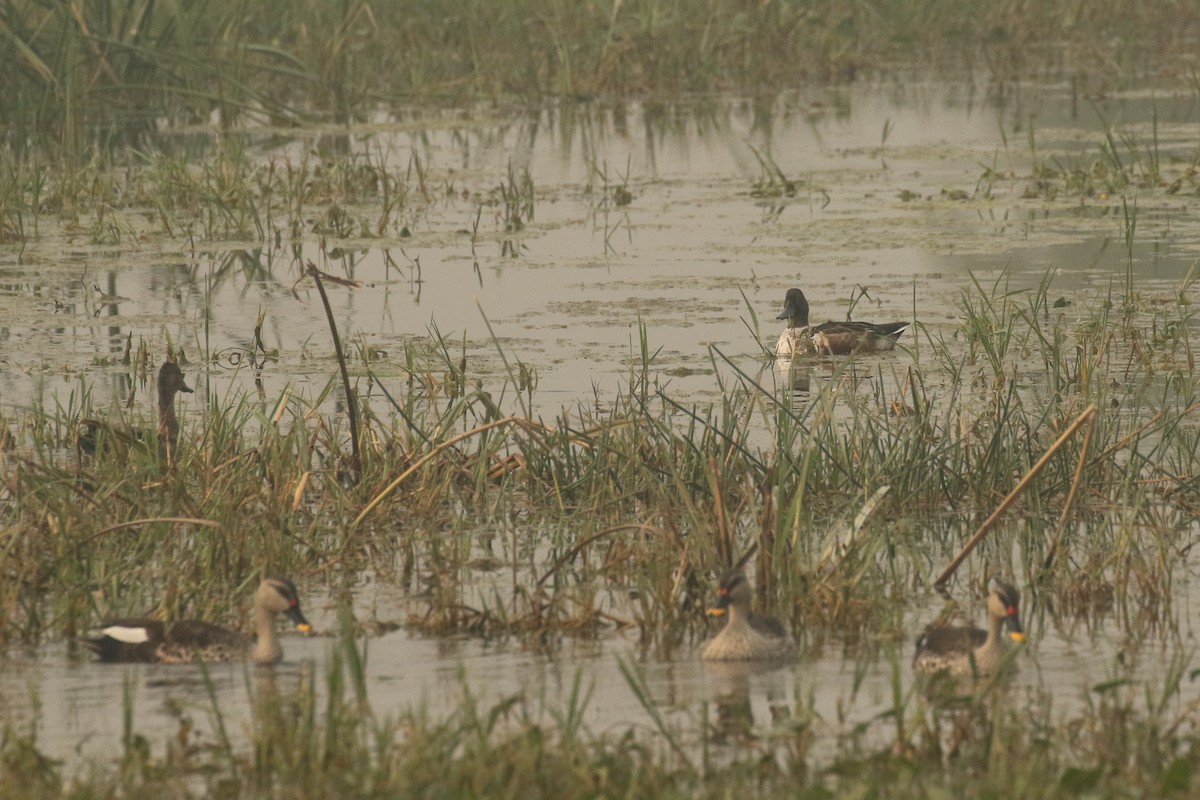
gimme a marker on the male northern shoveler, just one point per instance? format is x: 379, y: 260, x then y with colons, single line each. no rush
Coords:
x: 830, y: 338
x: 746, y: 636
x: 153, y: 641
x: 970, y: 651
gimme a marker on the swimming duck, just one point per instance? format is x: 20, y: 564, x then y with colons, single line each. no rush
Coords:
x: 830, y: 338
x: 970, y: 651
x: 170, y: 382
x: 153, y: 641
x: 746, y: 635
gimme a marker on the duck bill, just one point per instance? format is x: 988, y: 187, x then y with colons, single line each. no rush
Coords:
x: 296, y: 616
x: 1014, y: 628
x: 789, y: 311
x: 722, y: 606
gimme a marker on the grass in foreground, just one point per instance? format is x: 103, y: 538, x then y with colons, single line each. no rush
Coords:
x: 326, y: 741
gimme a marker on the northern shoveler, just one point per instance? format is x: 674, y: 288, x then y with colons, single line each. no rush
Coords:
x: 746, y: 636
x: 830, y: 338
x: 156, y: 642
x: 970, y: 651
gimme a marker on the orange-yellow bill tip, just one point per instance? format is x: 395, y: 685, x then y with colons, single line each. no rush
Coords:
x: 1017, y: 637
x: 716, y: 612
x: 304, y: 627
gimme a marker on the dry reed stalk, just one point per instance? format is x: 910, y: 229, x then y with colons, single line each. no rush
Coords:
x: 1012, y: 496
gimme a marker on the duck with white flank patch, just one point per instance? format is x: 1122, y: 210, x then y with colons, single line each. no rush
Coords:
x: 156, y: 642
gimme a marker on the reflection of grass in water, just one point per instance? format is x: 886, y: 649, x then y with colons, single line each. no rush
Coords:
x: 310, y: 740
x: 1125, y: 161
x: 107, y: 72
x: 648, y: 496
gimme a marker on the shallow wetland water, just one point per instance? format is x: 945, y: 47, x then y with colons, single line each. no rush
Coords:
x: 903, y: 190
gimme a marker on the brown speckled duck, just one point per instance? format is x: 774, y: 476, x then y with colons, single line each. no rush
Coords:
x: 94, y: 433
x: 157, y: 642
x: 970, y: 651
x: 830, y: 338
x: 746, y: 635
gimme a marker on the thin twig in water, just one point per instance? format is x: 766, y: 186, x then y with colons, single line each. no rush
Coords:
x: 578, y: 548
x: 134, y: 523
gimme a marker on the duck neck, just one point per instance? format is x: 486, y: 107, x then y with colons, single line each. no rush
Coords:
x: 266, y: 645
x: 799, y: 319
x: 168, y: 425
x: 995, y: 624
x: 739, y: 616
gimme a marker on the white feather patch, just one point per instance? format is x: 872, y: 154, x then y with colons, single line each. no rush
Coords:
x: 794, y: 342
x: 128, y: 635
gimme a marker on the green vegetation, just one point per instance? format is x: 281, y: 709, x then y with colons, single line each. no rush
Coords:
x: 78, y: 74
x: 851, y: 498
x: 636, y: 497
x: 441, y: 467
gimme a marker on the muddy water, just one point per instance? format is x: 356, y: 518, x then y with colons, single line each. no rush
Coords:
x: 891, y: 195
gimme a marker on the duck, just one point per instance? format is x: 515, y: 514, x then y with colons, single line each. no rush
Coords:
x: 95, y: 434
x: 966, y: 651
x: 830, y: 338
x: 746, y: 635
x: 152, y: 641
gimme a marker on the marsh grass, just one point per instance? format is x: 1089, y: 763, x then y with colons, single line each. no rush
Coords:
x: 1124, y: 162
x: 847, y: 499
x: 851, y: 500
x: 649, y: 495
x: 109, y: 73
x: 850, y: 497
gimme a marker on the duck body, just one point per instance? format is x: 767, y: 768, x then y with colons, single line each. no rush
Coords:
x: 795, y: 342
x: 746, y: 635
x: 831, y: 338
x: 156, y: 642
x: 970, y: 651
